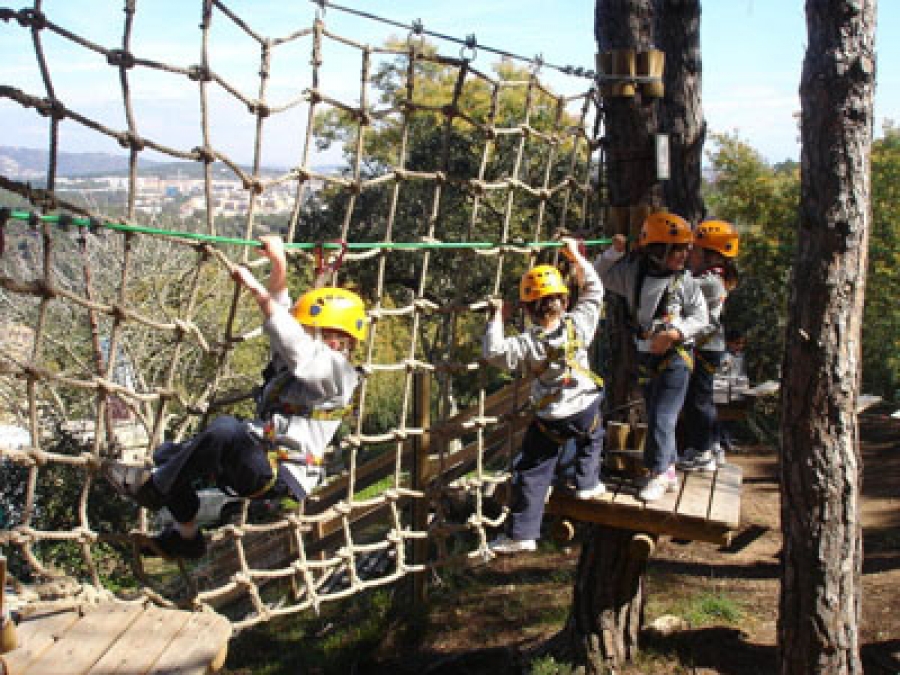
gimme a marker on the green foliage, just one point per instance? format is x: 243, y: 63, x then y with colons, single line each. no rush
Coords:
x: 547, y: 665
x: 881, y: 326
x: 764, y: 203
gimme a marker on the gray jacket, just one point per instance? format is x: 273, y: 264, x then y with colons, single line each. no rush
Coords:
x: 542, y: 353
x: 308, y: 375
x: 686, y: 308
x: 712, y: 338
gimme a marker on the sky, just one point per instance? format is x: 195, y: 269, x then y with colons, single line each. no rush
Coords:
x: 752, y: 58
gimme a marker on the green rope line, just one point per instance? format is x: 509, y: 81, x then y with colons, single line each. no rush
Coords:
x: 64, y: 220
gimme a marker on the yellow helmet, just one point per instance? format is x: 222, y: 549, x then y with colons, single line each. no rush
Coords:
x: 665, y: 228
x: 717, y: 235
x: 541, y: 281
x: 330, y: 307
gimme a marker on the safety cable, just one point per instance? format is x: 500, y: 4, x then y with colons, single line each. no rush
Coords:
x: 92, y: 224
x: 470, y: 42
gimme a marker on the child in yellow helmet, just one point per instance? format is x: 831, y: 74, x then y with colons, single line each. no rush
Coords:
x: 712, y: 264
x: 667, y: 311
x: 565, y: 395
x: 309, y: 386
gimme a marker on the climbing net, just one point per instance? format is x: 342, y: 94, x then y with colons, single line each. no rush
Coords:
x: 122, y: 327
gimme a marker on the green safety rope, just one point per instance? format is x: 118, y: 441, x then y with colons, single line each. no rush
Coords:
x: 66, y: 220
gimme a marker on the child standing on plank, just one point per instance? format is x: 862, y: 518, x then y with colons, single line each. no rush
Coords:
x: 565, y: 394
x: 666, y: 310
x: 712, y: 263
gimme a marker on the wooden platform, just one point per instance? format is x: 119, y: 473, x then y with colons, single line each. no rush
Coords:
x: 117, y: 638
x: 706, y: 507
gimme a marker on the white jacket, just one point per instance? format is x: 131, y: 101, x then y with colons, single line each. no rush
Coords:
x: 535, y: 347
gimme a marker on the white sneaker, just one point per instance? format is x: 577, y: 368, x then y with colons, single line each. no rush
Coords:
x: 591, y: 493
x: 503, y: 545
x: 671, y: 478
x: 719, y: 455
x: 655, y: 488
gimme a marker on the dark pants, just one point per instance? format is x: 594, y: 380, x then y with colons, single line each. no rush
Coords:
x: 665, y: 382
x: 535, y: 467
x: 225, y: 451
x: 699, y: 406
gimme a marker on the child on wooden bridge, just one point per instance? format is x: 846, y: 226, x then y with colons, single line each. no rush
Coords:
x: 565, y: 394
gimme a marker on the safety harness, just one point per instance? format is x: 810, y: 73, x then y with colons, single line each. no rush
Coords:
x: 568, y: 355
x: 273, y: 386
x: 645, y: 373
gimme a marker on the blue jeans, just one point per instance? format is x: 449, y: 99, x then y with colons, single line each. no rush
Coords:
x: 699, y: 407
x: 536, y: 466
x: 665, y: 383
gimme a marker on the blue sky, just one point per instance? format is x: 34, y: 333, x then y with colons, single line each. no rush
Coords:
x: 752, y: 57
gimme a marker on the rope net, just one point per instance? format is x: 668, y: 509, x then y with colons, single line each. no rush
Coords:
x: 117, y: 337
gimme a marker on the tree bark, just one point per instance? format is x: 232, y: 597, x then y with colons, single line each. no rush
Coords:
x: 602, y: 630
x: 681, y: 112
x: 820, y: 461
x: 629, y: 127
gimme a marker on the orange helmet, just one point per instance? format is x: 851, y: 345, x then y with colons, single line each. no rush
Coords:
x: 336, y: 308
x: 717, y: 235
x: 541, y: 281
x: 665, y: 228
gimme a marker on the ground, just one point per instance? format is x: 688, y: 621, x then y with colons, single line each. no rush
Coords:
x: 727, y: 598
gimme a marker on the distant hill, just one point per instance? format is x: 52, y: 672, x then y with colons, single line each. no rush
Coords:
x: 31, y: 164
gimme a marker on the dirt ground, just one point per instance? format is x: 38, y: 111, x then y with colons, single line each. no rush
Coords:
x: 492, y: 630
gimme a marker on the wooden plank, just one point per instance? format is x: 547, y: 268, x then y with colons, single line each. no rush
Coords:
x: 606, y: 512
x: 197, y: 647
x: 725, y: 503
x: 37, y: 633
x: 141, y: 645
x: 86, y: 641
x: 697, y: 491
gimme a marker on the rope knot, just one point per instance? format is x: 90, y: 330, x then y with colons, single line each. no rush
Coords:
x: 51, y: 107
x: 32, y: 18
x: 204, y: 154
x: 120, y: 58
x: 199, y: 73
x: 131, y: 140
x: 254, y: 185
x: 259, y: 108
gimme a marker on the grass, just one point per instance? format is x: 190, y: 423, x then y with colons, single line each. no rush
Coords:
x: 706, y: 609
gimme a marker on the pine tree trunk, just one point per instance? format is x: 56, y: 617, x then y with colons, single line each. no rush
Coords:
x: 681, y: 113
x: 820, y: 461
x: 608, y: 604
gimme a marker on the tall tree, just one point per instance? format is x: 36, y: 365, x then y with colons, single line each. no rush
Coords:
x: 602, y: 629
x: 820, y: 461
x: 681, y: 114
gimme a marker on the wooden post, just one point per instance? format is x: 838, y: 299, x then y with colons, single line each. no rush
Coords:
x: 421, y: 448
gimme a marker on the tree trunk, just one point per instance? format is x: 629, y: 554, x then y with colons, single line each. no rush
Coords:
x: 820, y: 461
x: 602, y: 630
x: 630, y: 124
x: 608, y: 605
x: 681, y: 113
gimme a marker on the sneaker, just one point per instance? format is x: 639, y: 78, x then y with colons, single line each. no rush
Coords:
x: 170, y: 544
x: 702, y: 461
x: 135, y: 483
x: 591, y: 493
x: 671, y: 478
x: 719, y: 455
x: 655, y: 488
x: 503, y: 545
x: 686, y: 461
